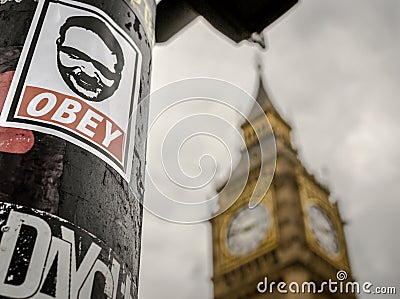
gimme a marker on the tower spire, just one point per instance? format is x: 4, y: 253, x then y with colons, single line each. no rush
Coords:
x: 279, y: 126
x: 262, y: 96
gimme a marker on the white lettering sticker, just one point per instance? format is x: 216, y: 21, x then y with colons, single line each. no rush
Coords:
x: 45, y: 257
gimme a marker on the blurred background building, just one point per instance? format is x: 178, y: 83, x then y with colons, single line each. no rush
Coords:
x: 295, y: 234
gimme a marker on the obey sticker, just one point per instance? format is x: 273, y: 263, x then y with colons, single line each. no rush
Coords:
x: 78, y: 78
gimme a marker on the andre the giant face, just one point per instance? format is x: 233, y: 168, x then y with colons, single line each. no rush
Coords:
x: 89, y: 58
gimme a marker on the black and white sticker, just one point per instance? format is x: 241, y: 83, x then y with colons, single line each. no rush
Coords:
x: 78, y: 78
x: 45, y: 257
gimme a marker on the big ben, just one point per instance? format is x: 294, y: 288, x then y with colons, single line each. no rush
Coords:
x: 295, y: 233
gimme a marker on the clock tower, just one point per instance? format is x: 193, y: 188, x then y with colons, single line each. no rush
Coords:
x: 294, y: 236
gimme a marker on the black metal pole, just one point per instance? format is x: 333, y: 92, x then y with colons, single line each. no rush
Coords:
x: 47, y: 172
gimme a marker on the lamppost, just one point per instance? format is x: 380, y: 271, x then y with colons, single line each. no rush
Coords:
x: 72, y: 145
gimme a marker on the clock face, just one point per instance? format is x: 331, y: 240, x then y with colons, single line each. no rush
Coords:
x: 323, y: 229
x: 247, y: 229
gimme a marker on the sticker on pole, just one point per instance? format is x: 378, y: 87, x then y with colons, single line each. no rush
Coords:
x: 44, y: 257
x: 78, y: 78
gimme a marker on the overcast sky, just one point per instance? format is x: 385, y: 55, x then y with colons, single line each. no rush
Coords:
x: 332, y: 68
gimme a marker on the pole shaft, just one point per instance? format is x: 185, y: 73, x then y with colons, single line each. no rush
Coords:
x: 61, y: 178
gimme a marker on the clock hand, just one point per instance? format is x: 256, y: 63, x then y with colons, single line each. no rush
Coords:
x: 243, y: 229
x: 324, y: 229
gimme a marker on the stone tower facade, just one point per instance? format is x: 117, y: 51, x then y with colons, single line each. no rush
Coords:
x: 293, y: 237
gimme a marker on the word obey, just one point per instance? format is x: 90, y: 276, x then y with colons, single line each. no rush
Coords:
x: 75, y: 115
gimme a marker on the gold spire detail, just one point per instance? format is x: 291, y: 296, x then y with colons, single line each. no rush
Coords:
x: 257, y: 119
